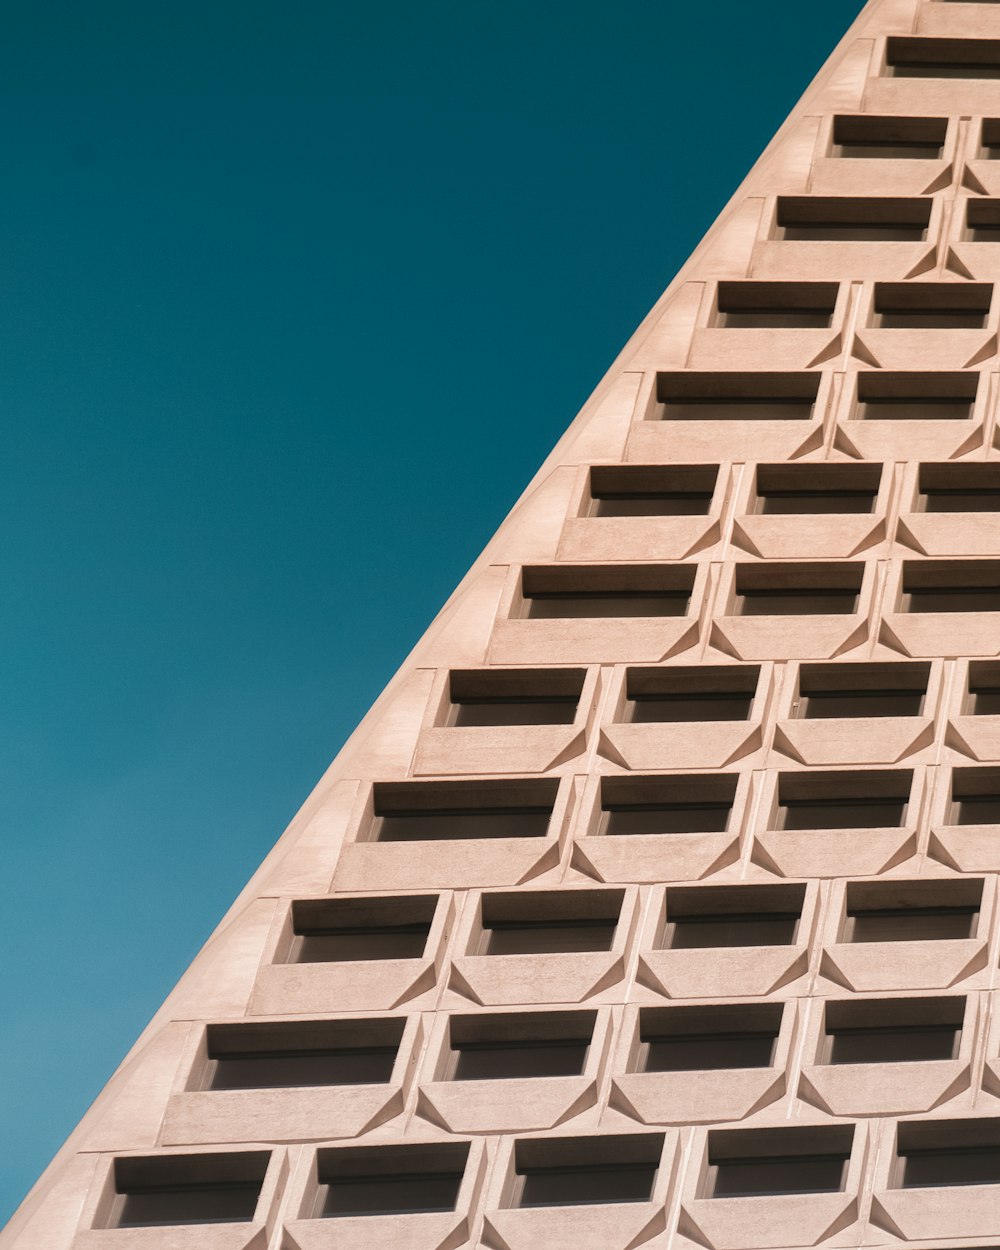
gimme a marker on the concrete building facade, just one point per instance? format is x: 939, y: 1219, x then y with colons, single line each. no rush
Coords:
x: 654, y: 903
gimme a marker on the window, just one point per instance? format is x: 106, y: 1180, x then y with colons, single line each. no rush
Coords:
x: 951, y: 586
x: 845, y: 218
x: 932, y: 305
x: 909, y: 138
x: 549, y: 922
x: 789, y: 589
x: 912, y: 911
x: 567, y: 591
x: 811, y: 489
x: 737, y: 396
x: 982, y: 220
x: 697, y: 1039
x: 580, y: 1171
x: 691, y: 803
x: 722, y: 692
x: 749, y: 1163
x: 339, y: 930
x: 389, y: 1180
x: 886, y: 396
x: 891, y: 1030
x: 652, y: 490
x: 159, y: 1190
x: 975, y: 796
x: 959, y: 488
x: 990, y: 149
x: 518, y: 1046
x: 931, y: 1153
x: 984, y: 689
x: 845, y: 690
x: 504, y: 697
x: 776, y: 305
x: 436, y: 811
x: 301, y: 1053
x: 843, y: 800
x: 711, y: 917
x: 916, y: 57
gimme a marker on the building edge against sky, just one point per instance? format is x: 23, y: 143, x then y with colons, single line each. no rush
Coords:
x: 653, y: 903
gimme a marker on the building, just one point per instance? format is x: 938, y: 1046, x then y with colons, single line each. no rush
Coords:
x: 654, y: 903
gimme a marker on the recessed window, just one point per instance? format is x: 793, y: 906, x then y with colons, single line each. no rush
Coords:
x: 159, y: 1190
x: 444, y: 811
x: 389, y: 1180
x: 984, y: 689
x: 658, y: 805
x: 549, y: 922
x: 982, y: 220
x: 916, y: 396
x: 942, y: 1153
x: 932, y: 305
x: 811, y: 489
x: 722, y: 692
x: 652, y: 490
x: 712, y: 917
x: 845, y: 218
x: 951, y: 586
x: 877, y: 798
x: 751, y: 1163
x: 584, y: 1171
x: 892, y: 1030
x: 572, y: 591
x: 990, y: 149
x: 504, y: 697
x: 698, y: 1039
x: 737, y: 396
x: 908, y: 138
x: 342, y: 930
x: 789, y: 589
x: 975, y: 796
x: 776, y: 305
x: 959, y: 488
x: 912, y: 911
x: 518, y: 1046
x: 833, y: 691
x: 915, y: 57
x: 298, y: 1053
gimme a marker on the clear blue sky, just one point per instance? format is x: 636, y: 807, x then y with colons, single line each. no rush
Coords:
x: 293, y: 301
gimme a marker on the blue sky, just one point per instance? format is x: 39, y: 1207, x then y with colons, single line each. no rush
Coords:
x: 293, y: 301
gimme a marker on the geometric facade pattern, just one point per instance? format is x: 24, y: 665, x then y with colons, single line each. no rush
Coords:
x: 654, y: 904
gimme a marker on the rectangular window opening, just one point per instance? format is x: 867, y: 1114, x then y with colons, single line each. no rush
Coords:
x: 549, y: 922
x: 156, y: 1191
x: 912, y: 911
x: 653, y: 806
x: 301, y: 1053
x: 795, y: 589
x: 677, y: 695
x: 916, y: 396
x: 713, y: 917
x: 507, y: 697
x: 736, y: 396
x: 892, y: 1030
x: 975, y: 796
x: 776, y: 305
x: 813, y: 489
x: 845, y: 218
x: 943, y: 1153
x: 584, y: 1171
x: 959, y: 488
x: 951, y: 586
x: 698, y: 1039
x: 519, y: 1046
x: 390, y: 1180
x: 861, y: 135
x: 573, y: 592
x: 983, y: 698
x: 652, y: 490
x: 750, y: 1163
x: 877, y: 798
x: 835, y: 691
x: 342, y: 930
x: 982, y: 220
x: 909, y: 56
x: 932, y: 305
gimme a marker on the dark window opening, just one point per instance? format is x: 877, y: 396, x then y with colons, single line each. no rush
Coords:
x: 692, y: 803
x: 959, y: 488
x: 434, y: 811
x: 892, y: 1030
x: 951, y: 586
x: 583, y: 1171
x: 339, y: 930
x: 299, y: 1053
x: 390, y: 1180
x: 693, y: 1039
x: 533, y: 922
x: 566, y: 592
x: 975, y: 796
x: 794, y: 589
x: 652, y: 490
x: 918, y: 57
x: 736, y: 396
x: 947, y: 1152
x: 504, y: 697
x: 519, y: 1046
x: 846, y: 218
x: 984, y: 689
x: 848, y: 690
x: 912, y: 911
x: 812, y: 489
x: 747, y: 1163
x: 908, y: 138
x: 982, y: 219
x: 843, y: 800
x: 674, y: 695
x: 159, y: 1190
x: 712, y: 917
x: 777, y: 305
x: 916, y: 396
x: 990, y: 149
x: 932, y: 305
